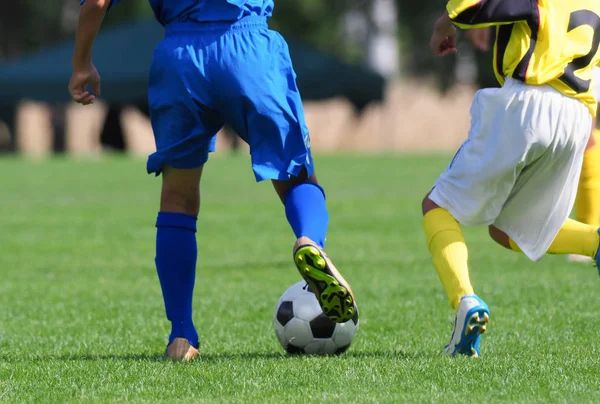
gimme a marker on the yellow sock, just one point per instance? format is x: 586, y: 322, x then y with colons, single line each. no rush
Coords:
x: 449, y: 251
x: 587, y: 203
x: 573, y: 238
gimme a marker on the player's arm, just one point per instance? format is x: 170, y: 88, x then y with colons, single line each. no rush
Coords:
x: 84, y: 73
x: 90, y: 18
x: 483, y: 13
x: 443, y: 39
x: 479, y: 38
x: 474, y: 14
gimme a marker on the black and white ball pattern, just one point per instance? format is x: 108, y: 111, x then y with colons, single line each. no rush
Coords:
x: 301, y: 327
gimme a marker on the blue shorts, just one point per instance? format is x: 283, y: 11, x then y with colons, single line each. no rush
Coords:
x: 206, y: 74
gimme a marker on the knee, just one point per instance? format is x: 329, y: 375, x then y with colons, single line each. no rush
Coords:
x: 283, y: 186
x: 303, y: 177
x: 499, y: 237
x: 427, y: 204
x: 180, y: 199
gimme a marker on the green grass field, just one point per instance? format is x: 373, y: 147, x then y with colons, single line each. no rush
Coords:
x: 82, y: 319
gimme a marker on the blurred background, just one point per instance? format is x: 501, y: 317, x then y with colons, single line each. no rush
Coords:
x: 368, y: 79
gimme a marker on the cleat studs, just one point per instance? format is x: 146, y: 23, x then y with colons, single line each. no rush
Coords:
x: 483, y: 329
x: 486, y: 317
x: 469, y: 329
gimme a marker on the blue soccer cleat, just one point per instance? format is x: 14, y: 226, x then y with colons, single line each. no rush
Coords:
x: 471, y: 321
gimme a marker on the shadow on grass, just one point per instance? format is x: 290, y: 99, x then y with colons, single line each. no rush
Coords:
x: 209, y: 357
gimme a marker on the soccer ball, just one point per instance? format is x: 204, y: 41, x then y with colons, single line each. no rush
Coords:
x: 302, y: 328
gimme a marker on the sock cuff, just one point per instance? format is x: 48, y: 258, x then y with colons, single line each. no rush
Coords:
x: 176, y: 220
x: 513, y: 245
x: 302, y: 184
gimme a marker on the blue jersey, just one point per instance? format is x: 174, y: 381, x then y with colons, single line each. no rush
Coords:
x: 167, y: 11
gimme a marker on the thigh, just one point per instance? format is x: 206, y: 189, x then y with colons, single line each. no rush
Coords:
x: 541, y: 201
x: 479, y: 179
x: 262, y: 104
x: 183, y: 121
x: 544, y: 193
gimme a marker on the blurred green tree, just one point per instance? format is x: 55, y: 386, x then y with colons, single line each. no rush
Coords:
x: 128, y: 11
x: 416, y: 19
x: 28, y: 24
x: 316, y: 22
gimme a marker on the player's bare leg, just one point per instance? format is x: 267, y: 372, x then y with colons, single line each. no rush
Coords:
x: 573, y: 238
x: 304, y: 202
x: 449, y: 251
x: 181, y: 190
x: 176, y: 254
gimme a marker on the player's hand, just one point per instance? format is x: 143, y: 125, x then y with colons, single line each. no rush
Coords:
x: 443, y: 39
x: 80, y: 79
x: 479, y: 38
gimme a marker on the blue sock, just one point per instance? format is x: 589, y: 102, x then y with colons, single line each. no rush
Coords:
x: 176, y: 253
x: 306, y: 211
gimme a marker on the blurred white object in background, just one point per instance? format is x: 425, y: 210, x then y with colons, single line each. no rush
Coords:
x: 372, y: 25
x: 383, y: 55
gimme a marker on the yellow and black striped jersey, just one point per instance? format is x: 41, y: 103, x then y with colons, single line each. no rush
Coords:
x: 538, y: 42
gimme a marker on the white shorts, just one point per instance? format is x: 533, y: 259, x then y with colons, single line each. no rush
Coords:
x: 596, y: 73
x: 520, y: 165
